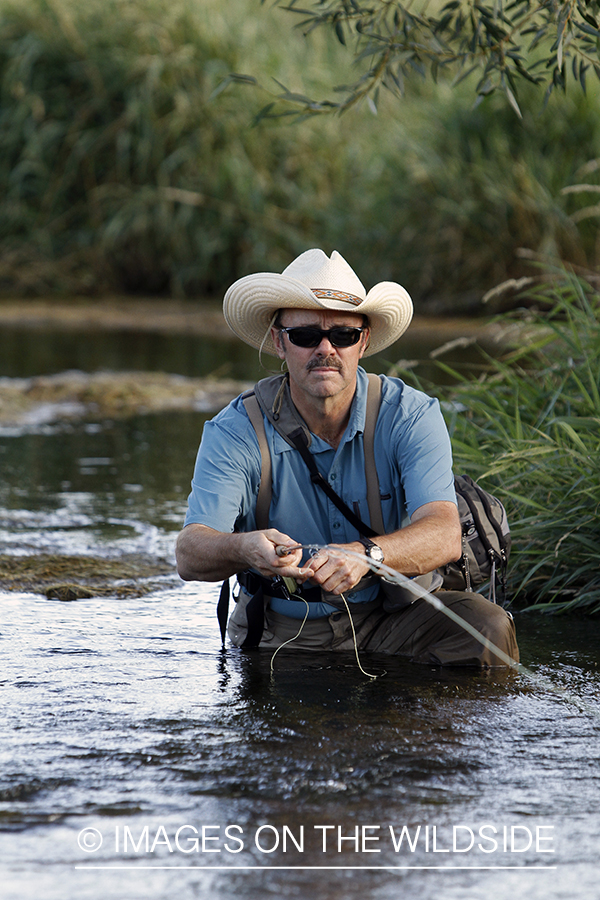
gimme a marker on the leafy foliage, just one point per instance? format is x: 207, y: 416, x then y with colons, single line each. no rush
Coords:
x: 449, y: 198
x: 115, y: 160
x: 529, y: 428
x: 503, y: 44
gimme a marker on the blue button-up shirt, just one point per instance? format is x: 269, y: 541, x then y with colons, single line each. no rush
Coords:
x: 412, y: 456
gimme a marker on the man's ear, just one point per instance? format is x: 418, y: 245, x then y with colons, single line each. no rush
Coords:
x: 365, y: 341
x: 277, y: 338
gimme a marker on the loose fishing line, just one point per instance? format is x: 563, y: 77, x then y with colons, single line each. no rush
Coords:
x: 295, y: 596
x: 368, y: 674
x: 313, y: 549
x: 296, y: 636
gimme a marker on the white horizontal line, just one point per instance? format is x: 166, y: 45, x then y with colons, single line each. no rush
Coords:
x: 318, y: 868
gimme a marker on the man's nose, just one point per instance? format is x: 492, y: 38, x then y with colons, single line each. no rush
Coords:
x: 325, y: 347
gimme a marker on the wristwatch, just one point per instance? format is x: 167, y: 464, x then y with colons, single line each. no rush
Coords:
x: 372, y: 550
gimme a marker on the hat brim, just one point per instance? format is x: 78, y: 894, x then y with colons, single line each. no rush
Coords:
x: 252, y: 301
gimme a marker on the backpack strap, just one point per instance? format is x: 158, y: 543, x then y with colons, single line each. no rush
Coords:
x: 263, y: 501
x: 299, y: 441
x: 373, y: 493
x: 297, y: 435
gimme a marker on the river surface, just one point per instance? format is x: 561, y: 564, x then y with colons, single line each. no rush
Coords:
x: 139, y: 760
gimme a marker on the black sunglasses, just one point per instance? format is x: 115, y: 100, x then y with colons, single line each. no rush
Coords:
x: 310, y: 336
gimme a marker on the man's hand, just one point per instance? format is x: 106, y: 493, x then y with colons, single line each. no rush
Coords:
x: 336, y: 571
x: 204, y: 554
x: 432, y: 539
x: 260, y: 549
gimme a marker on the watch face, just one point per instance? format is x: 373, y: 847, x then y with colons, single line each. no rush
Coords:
x: 375, y: 552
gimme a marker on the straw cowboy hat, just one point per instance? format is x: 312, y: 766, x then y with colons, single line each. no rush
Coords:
x: 314, y: 281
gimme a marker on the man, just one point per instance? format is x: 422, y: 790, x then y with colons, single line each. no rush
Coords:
x: 318, y: 319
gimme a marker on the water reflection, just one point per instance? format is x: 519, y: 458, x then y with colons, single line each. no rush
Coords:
x: 120, y: 485
x: 25, y: 352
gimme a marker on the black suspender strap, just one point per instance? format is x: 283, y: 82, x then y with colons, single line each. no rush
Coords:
x: 255, y: 614
x: 223, y: 609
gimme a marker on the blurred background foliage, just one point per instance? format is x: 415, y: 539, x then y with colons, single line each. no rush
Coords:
x: 124, y: 168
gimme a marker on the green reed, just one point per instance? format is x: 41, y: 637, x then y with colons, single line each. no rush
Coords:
x: 118, y: 165
x: 529, y: 428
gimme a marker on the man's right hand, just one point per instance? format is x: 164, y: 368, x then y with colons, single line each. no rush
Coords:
x: 204, y: 554
x: 260, y: 549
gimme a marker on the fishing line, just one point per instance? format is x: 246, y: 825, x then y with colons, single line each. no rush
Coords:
x: 297, y: 635
x: 281, y: 551
x: 397, y: 578
x: 299, y: 632
x: 368, y: 674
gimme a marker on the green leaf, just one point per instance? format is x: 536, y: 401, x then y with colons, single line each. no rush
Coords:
x: 513, y: 101
x: 588, y: 29
x: 233, y: 78
x: 583, y: 67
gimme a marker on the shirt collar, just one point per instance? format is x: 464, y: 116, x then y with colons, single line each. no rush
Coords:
x: 356, y: 424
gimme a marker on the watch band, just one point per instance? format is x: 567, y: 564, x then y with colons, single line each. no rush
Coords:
x: 368, y: 544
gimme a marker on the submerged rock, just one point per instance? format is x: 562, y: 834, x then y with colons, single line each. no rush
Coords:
x: 69, y: 578
x: 69, y: 592
x: 26, y: 402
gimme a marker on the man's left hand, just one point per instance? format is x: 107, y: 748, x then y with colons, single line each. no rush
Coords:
x: 336, y: 571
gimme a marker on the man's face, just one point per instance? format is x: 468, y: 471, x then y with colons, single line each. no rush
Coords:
x: 325, y: 370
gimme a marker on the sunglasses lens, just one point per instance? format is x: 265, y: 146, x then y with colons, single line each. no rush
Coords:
x: 305, y: 337
x: 341, y: 336
x: 344, y: 337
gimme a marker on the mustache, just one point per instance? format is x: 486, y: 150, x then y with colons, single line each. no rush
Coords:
x: 330, y: 362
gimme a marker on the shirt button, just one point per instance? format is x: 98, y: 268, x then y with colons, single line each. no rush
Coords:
x: 336, y: 525
x: 332, y: 476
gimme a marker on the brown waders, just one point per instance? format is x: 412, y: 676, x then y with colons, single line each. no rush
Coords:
x: 419, y: 632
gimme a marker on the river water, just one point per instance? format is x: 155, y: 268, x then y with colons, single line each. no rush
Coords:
x: 139, y: 760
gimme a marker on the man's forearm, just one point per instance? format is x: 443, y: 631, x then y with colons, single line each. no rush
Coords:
x: 431, y: 540
x: 204, y: 554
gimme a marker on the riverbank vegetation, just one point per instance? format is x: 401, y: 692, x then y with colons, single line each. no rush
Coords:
x: 528, y: 428
x: 123, y: 167
x: 67, y: 578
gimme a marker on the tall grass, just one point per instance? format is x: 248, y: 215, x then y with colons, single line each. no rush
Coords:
x: 115, y: 159
x: 529, y: 428
x: 121, y: 169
